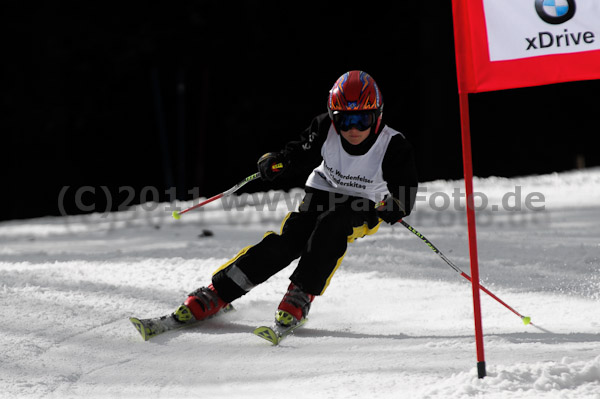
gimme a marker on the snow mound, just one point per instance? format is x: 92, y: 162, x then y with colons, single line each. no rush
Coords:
x: 568, y: 378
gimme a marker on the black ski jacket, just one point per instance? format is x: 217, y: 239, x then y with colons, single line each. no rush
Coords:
x: 398, y: 167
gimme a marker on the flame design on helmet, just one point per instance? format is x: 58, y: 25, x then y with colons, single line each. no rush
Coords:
x: 355, y: 91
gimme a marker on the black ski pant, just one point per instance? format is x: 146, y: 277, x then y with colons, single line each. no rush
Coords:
x: 318, y: 233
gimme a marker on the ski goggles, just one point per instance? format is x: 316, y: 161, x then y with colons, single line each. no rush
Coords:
x: 361, y: 120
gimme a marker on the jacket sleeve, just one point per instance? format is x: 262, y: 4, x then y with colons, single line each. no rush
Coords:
x: 304, y: 155
x: 400, y: 173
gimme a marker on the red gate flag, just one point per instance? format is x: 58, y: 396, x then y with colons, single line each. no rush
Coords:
x: 503, y: 44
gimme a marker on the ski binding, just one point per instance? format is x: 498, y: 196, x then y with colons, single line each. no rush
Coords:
x: 149, y: 328
x: 277, y: 332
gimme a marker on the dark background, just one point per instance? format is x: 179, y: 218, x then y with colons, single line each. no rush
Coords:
x: 190, y: 94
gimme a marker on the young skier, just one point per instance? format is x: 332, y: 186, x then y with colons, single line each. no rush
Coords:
x: 353, y: 162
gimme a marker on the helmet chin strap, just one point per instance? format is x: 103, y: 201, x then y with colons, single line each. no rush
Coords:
x: 335, y: 127
x: 377, y: 124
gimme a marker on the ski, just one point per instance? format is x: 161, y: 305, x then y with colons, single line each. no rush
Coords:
x: 277, y: 332
x: 150, y: 328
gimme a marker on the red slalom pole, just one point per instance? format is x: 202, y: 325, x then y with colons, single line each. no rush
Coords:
x: 177, y: 215
x: 468, y: 173
x: 465, y: 76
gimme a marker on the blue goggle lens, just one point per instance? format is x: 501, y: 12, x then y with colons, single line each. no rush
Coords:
x: 360, y: 120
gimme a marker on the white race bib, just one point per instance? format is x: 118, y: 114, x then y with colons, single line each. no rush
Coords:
x: 355, y: 175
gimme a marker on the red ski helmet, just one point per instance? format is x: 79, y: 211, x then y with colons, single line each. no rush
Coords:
x: 355, y: 100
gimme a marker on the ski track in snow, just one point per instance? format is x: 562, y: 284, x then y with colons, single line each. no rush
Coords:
x: 396, y: 321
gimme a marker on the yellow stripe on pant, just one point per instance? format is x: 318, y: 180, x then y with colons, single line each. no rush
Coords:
x: 230, y: 262
x: 245, y: 249
x: 357, y: 232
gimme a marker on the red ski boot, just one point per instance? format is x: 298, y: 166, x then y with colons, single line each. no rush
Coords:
x: 294, y: 306
x: 199, y: 305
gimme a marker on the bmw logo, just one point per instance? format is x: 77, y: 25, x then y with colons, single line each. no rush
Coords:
x: 555, y: 11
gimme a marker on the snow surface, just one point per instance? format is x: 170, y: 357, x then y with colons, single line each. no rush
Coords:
x: 396, y: 321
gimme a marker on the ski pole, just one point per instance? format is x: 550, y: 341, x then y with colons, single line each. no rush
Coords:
x: 526, y: 319
x: 177, y: 215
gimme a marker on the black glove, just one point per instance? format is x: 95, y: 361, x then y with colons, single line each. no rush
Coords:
x: 271, y: 165
x: 391, y: 211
